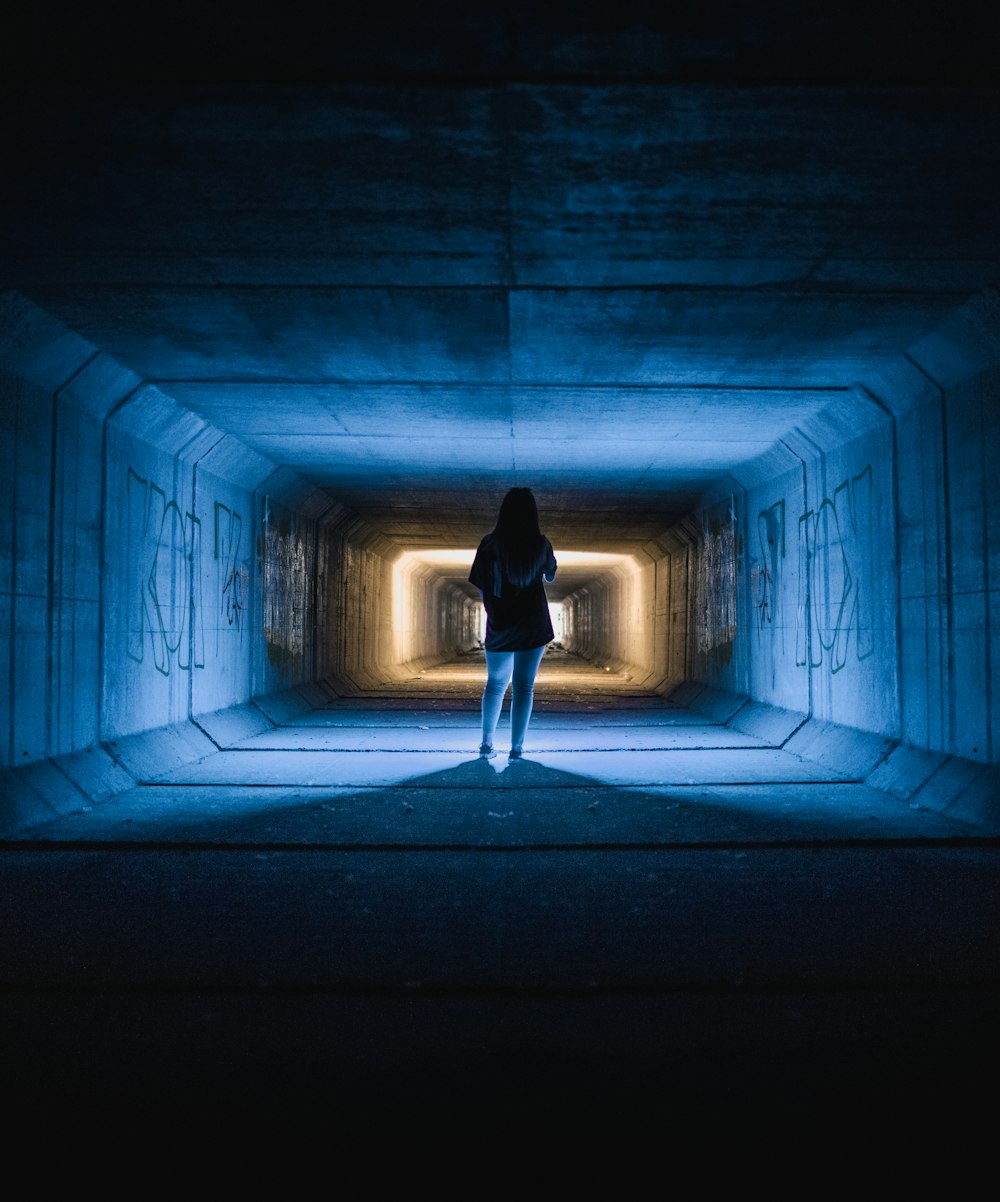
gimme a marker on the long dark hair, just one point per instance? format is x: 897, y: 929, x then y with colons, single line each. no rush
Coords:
x: 520, y: 542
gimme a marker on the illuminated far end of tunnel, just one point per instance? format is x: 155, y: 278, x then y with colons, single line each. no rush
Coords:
x: 425, y: 580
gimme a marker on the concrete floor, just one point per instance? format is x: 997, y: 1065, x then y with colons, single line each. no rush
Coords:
x: 654, y: 959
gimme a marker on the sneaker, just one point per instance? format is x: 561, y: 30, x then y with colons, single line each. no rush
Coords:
x: 515, y: 754
x: 486, y: 752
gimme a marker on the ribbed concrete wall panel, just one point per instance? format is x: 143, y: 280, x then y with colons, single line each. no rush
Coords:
x: 847, y: 543
x: 27, y: 566
x: 924, y: 674
x: 54, y: 392
x: 284, y: 550
x: 923, y: 573
x: 25, y: 494
x: 613, y: 622
x: 777, y: 673
x: 949, y: 532
x: 974, y: 494
x: 356, y: 638
x: 153, y: 602
x: 128, y: 568
x: 228, y: 618
x: 79, y: 515
x: 797, y: 600
x: 973, y: 721
x: 207, y: 587
x: 719, y: 632
x: 958, y: 442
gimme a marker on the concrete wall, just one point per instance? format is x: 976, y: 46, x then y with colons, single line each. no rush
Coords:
x: 153, y: 569
x: 156, y: 574
x: 383, y: 614
x: 445, y: 623
x: 818, y: 573
x: 632, y: 617
x: 51, y: 493
x: 945, y: 404
x: 850, y: 574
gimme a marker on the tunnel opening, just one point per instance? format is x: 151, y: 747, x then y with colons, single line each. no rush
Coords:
x: 601, y: 604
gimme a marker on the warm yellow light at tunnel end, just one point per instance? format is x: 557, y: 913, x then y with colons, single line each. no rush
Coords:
x: 409, y: 565
x: 450, y: 557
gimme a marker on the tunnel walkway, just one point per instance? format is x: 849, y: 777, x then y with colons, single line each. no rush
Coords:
x: 651, y: 916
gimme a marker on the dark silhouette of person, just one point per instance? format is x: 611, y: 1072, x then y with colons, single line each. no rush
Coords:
x: 511, y: 566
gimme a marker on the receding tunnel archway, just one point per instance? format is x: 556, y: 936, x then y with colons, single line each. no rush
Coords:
x: 768, y: 394
x: 798, y: 581
x: 602, y: 605
x: 284, y: 312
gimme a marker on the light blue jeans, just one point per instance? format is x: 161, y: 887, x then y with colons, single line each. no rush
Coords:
x: 501, y: 668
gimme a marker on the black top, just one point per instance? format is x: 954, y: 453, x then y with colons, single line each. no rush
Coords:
x: 517, y: 619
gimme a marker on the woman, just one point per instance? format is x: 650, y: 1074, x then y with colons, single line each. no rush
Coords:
x: 509, y: 569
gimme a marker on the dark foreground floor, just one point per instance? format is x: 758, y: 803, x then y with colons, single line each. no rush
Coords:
x: 345, y: 957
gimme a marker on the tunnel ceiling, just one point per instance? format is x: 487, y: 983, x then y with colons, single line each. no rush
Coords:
x: 419, y: 263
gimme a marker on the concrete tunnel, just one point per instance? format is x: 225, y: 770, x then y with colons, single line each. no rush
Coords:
x: 281, y: 320
x: 161, y: 568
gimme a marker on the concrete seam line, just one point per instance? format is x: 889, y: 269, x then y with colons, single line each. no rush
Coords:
x: 267, y: 717
x: 194, y: 722
x: 949, y: 567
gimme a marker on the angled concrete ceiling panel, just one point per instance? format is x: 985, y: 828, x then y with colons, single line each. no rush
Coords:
x: 413, y: 259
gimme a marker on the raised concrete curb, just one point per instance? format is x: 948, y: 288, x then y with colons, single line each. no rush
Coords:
x: 96, y: 773
x: 153, y: 753
x: 717, y: 704
x: 905, y: 770
x: 964, y: 790
x: 228, y: 727
x: 35, y: 794
x: 51, y: 788
x: 855, y: 753
x: 40, y: 792
x: 960, y: 788
x: 289, y: 704
x: 767, y: 722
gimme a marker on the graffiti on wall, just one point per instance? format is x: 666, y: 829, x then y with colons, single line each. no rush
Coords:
x: 765, y: 565
x: 721, y: 550
x: 163, y: 585
x: 232, y: 576
x: 163, y: 590
x: 836, y: 560
x: 835, y: 581
x: 281, y: 560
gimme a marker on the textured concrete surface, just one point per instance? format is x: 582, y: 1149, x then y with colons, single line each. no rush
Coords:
x: 287, y: 301
x: 562, y: 972
x: 732, y: 315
